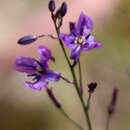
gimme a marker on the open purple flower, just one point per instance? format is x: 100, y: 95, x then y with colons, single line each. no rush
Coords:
x: 80, y: 38
x: 39, y: 70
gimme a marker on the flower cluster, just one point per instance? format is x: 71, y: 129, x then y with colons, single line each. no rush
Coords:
x: 80, y: 39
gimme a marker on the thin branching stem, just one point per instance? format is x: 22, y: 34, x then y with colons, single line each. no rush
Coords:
x: 67, y: 80
x: 68, y: 117
x: 48, y: 35
x: 108, y: 122
x: 80, y: 77
x: 88, y: 102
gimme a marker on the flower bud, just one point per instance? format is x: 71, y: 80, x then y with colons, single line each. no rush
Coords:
x: 111, y: 107
x: 92, y: 86
x: 53, y: 98
x: 63, y: 9
x: 51, y: 5
x: 72, y: 26
x: 27, y: 39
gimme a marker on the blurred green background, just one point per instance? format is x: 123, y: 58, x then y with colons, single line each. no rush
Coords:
x: 24, y: 109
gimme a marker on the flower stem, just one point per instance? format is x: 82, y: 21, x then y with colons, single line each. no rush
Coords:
x: 108, y: 122
x: 80, y: 78
x: 67, y: 80
x: 75, y: 123
x: 48, y: 35
x: 74, y: 78
x: 88, y: 102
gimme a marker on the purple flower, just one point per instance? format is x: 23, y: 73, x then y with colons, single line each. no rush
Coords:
x: 39, y: 70
x: 80, y: 38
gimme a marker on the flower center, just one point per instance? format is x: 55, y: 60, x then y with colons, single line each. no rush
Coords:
x: 40, y: 70
x: 80, y: 41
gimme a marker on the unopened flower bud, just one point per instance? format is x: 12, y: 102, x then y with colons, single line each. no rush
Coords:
x: 92, y: 86
x: 27, y: 39
x: 53, y: 98
x: 72, y: 26
x: 63, y: 9
x: 111, y: 107
x: 51, y: 5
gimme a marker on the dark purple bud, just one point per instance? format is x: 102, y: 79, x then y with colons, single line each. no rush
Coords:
x: 63, y: 9
x: 53, y: 98
x: 72, y: 26
x: 57, y: 15
x: 111, y: 107
x: 51, y: 5
x: 92, y: 86
x: 27, y: 39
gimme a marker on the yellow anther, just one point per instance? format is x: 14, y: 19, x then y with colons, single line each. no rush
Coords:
x: 80, y: 41
x: 39, y: 69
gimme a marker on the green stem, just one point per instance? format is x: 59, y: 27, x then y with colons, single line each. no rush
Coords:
x: 74, y: 78
x: 108, y: 122
x: 75, y: 123
x: 80, y: 78
x: 88, y: 102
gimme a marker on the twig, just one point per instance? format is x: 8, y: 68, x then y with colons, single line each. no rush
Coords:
x: 67, y: 116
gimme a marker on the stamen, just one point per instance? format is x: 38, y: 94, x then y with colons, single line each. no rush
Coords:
x: 40, y: 70
x: 36, y: 77
x: 39, y: 63
x: 88, y: 36
x: 32, y: 74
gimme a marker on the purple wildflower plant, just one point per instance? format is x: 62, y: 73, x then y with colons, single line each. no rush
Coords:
x: 80, y: 38
x: 39, y: 70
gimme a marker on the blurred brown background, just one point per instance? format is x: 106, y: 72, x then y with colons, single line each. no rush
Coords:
x: 24, y: 109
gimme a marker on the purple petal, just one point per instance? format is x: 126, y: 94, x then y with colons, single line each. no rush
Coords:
x: 52, y: 75
x: 75, y: 54
x: 26, y: 64
x: 68, y: 40
x: 38, y: 85
x: 45, y: 53
x: 98, y: 45
x: 85, y: 25
x: 91, y: 43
